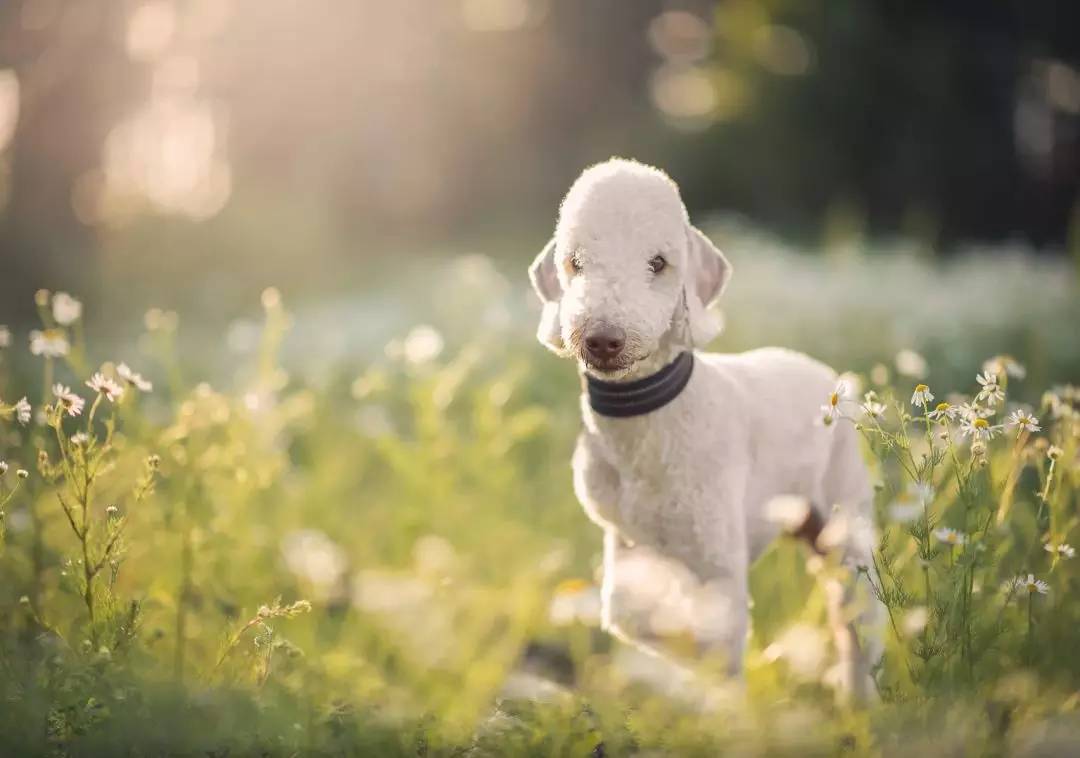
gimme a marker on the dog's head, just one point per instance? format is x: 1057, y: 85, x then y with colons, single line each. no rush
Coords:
x: 626, y: 278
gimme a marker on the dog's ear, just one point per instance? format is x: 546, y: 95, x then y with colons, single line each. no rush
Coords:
x: 545, y: 280
x: 708, y: 272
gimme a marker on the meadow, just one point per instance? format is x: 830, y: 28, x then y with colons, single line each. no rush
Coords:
x: 327, y: 530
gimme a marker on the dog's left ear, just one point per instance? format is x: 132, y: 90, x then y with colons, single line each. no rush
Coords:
x: 708, y: 273
x: 709, y: 269
x: 545, y: 280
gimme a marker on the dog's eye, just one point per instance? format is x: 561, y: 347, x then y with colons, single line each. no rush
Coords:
x: 657, y: 264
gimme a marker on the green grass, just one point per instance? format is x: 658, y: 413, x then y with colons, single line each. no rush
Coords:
x: 423, y: 508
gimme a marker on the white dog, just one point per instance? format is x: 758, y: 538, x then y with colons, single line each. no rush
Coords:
x: 682, y: 451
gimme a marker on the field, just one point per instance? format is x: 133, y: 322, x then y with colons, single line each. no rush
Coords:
x: 330, y: 529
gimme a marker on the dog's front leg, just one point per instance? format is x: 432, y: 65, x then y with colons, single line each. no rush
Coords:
x: 596, y: 484
x: 723, y: 607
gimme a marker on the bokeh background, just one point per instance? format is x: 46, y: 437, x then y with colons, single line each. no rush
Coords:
x: 186, y: 154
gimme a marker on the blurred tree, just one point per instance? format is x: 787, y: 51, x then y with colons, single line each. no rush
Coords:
x: 947, y: 121
x: 73, y: 83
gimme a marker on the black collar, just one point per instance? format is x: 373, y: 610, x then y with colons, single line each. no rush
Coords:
x: 641, y: 396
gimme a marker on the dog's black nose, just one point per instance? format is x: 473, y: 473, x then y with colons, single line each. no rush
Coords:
x: 604, y: 342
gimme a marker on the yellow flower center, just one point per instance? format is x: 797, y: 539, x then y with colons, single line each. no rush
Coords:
x: 921, y: 388
x: 834, y: 399
x: 571, y: 586
x: 942, y: 407
x: 980, y: 423
x: 1031, y: 587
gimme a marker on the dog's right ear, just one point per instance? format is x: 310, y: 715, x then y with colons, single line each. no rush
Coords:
x: 545, y: 280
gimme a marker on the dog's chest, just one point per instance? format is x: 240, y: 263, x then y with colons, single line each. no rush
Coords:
x: 662, y: 498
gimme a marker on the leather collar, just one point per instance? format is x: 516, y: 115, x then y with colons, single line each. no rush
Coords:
x: 641, y: 396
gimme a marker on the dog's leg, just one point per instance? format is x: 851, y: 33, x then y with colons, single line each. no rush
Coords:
x: 596, y: 484
x: 625, y: 610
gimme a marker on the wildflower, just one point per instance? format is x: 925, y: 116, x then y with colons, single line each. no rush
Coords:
x: 915, y: 620
x: 789, y: 511
x: 69, y: 401
x: 1064, y: 550
x: 1005, y: 365
x: 1024, y: 421
x: 909, y: 363
x: 971, y: 410
x: 106, y: 387
x: 314, y: 557
x: 990, y: 393
x: 831, y: 410
x: 879, y: 374
x: 871, y: 407
x: 133, y: 379
x: 51, y: 343
x: 575, y: 600
x: 922, y: 491
x: 3, y: 468
x: 1054, y: 452
x: 905, y: 512
x: 22, y: 473
x: 1028, y: 584
x: 79, y: 439
x: 22, y: 411
x: 950, y: 537
x: 922, y: 396
x: 942, y: 411
x: 5, y: 336
x: 112, y: 511
x: 979, y: 428
x: 422, y: 345
x: 66, y: 309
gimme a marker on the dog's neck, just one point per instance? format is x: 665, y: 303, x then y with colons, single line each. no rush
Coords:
x: 640, y: 395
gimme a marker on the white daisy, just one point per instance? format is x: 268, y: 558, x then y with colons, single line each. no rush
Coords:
x: 970, y: 410
x: 979, y: 428
x: 22, y: 411
x: 1064, y: 550
x: 990, y: 393
x: 922, y: 396
x: 831, y: 410
x: 66, y: 309
x: 921, y: 491
x: 905, y: 512
x: 5, y: 336
x: 51, y: 343
x: 1024, y: 421
x: 1054, y: 452
x: 79, y: 439
x: 133, y: 379
x: 909, y: 363
x: 104, y: 386
x: 1028, y: 584
x: 950, y: 537
x: 942, y: 411
x: 1005, y: 364
x: 871, y: 407
x: 69, y: 401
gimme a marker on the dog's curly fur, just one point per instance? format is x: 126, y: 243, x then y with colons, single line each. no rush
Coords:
x: 690, y: 483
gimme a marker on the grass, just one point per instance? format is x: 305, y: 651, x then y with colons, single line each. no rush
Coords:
x: 367, y: 560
